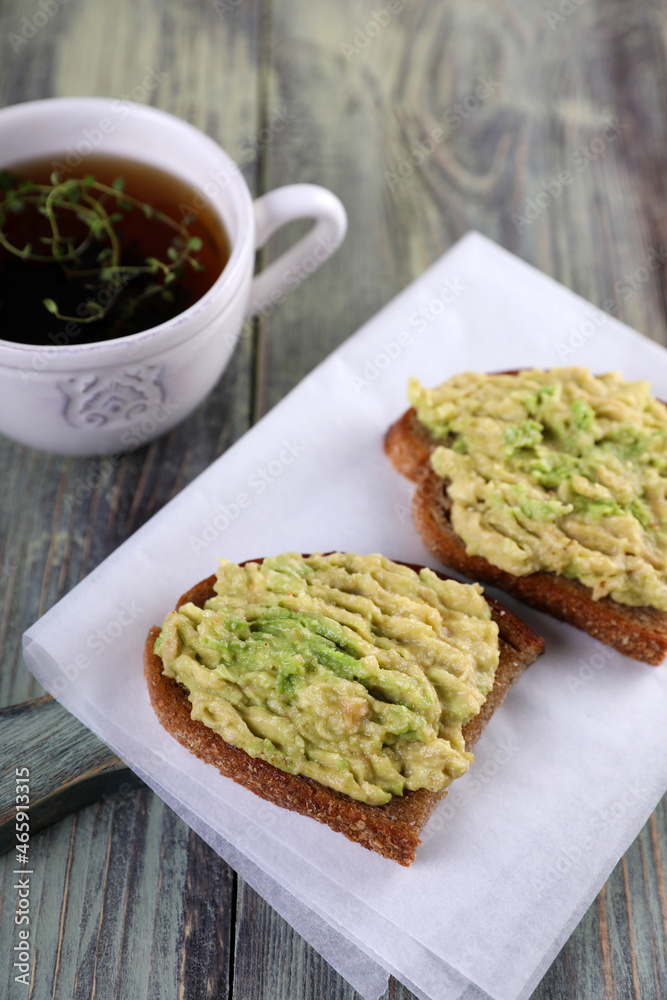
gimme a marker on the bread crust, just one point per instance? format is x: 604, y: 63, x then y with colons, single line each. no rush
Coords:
x: 640, y: 633
x: 408, y: 445
x: 391, y: 830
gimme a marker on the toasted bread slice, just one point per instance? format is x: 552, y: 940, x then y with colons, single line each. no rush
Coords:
x: 409, y: 444
x: 640, y: 633
x: 393, y: 829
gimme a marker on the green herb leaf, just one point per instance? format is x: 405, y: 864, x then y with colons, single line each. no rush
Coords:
x: 88, y: 202
x: 13, y: 202
x: 72, y: 191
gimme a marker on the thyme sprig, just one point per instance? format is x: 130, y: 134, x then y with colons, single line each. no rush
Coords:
x: 100, y: 208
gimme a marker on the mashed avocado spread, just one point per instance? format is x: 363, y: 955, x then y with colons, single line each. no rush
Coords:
x: 353, y: 670
x: 557, y: 470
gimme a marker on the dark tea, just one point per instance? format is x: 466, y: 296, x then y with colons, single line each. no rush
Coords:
x: 136, y: 304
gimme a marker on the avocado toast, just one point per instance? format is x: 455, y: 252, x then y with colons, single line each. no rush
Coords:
x: 551, y: 485
x: 326, y: 652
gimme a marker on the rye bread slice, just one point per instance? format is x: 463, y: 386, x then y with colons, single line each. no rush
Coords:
x: 409, y: 445
x: 393, y: 829
x: 640, y: 633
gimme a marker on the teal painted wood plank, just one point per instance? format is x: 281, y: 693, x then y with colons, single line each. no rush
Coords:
x: 272, y: 960
x: 209, y: 908
x: 144, y: 898
x: 47, y: 897
x: 68, y: 766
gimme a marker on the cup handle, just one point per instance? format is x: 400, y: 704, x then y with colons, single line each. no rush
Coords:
x: 273, y: 210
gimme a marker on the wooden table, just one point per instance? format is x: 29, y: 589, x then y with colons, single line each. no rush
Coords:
x: 427, y: 119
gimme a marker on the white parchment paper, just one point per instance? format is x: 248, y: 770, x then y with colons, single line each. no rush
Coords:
x: 565, y: 774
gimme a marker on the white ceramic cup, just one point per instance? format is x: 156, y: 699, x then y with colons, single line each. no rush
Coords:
x: 113, y: 396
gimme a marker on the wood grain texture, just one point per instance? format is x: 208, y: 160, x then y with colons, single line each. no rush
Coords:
x: 69, y: 767
x: 128, y: 902
x: 125, y: 901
